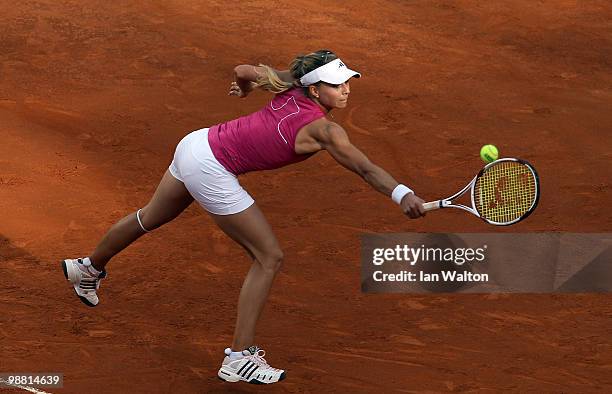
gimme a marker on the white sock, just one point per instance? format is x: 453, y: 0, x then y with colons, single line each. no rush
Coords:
x: 234, y: 355
x: 90, y: 267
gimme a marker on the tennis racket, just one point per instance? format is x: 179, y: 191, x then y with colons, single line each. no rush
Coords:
x: 504, y: 192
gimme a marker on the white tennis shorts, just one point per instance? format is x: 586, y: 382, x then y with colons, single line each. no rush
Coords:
x: 214, y: 187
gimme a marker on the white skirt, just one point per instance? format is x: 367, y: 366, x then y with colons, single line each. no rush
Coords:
x: 214, y: 187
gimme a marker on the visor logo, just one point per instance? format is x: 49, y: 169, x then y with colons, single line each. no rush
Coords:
x: 340, y: 65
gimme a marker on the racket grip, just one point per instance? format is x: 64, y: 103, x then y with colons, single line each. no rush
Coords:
x: 430, y: 206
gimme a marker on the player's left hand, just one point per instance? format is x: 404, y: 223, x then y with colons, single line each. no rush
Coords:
x: 236, y: 90
x: 413, y: 206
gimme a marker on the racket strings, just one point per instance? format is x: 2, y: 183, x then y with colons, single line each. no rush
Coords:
x: 505, y: 192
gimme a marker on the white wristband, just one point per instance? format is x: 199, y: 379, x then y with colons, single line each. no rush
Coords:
x: 399, y: 192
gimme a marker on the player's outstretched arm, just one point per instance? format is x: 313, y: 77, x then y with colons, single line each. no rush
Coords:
x: 334, y: 139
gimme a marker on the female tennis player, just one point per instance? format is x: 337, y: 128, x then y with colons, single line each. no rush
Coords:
x: 291, y: 128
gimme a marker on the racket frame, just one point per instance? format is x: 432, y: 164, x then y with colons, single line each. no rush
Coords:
x: 448, y: 202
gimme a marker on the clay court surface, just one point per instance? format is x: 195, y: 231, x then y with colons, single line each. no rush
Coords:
x: 95, y: 95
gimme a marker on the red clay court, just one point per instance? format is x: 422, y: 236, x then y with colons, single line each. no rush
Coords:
x: 95, y: 95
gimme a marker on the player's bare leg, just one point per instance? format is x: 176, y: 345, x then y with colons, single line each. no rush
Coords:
x: 169, y: 200
x: 251, y: 230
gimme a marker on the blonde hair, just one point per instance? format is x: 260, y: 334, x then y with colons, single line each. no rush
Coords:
x: 300, y: 66
x: 271, y: 82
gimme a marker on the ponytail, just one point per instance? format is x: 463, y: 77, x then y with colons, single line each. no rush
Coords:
x: 299, y: 67
x: 271, y: 82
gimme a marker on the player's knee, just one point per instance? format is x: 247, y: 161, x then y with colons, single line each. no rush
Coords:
x: 148, y: 220
x: 272, y: 260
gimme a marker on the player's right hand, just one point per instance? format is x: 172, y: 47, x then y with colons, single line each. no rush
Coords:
x: 413, y: 206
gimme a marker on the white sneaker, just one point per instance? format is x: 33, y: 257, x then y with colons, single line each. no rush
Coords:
x: 251, y: 368
x: 84, y: 281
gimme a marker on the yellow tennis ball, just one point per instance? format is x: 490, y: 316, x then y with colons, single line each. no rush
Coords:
x: 489, y: 153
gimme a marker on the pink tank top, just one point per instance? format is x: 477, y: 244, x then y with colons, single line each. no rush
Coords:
x: 265, y: 139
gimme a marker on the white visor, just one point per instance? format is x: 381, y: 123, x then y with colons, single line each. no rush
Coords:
x: 334, y: 72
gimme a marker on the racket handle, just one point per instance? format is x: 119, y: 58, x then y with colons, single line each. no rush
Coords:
x: 430, y: 206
